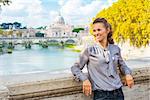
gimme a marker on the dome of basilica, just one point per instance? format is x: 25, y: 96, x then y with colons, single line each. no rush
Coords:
x: 59, y: 20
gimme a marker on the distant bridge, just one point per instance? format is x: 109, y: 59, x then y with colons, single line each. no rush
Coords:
x: 37, y: 39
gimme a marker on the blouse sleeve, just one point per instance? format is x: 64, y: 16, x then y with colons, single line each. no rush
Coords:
x: 124, y: 68
x: 78, y: 66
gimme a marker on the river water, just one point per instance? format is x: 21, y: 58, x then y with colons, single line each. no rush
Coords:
x: 51, y: 59
x: 36, y: 59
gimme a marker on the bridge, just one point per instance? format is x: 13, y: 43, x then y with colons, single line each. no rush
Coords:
x: 17, y: 40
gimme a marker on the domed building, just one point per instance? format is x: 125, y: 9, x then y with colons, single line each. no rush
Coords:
x: 59, y: 20
x: 59, y: 29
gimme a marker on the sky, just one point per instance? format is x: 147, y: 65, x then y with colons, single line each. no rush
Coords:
x: 35, y: 13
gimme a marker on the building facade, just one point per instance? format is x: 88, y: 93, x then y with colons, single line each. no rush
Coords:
x: 59, y: 28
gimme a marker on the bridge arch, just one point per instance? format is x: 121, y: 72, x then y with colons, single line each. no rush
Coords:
x: 70, y: 41
x: 53, y: 41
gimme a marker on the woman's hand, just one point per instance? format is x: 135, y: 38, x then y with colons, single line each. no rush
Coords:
x: 87, y: 88
x: 129, y: 80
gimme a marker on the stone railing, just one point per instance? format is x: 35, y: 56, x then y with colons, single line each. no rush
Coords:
x: 63, y: 87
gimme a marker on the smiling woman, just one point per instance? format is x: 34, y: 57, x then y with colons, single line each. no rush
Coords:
x: 102, y: 60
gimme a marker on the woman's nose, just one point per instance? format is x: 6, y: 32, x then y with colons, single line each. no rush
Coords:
x: 96, y: 34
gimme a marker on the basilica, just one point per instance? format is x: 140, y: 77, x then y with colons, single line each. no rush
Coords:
x: 60, y: 29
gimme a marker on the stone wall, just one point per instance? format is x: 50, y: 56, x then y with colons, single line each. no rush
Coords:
x: 64, y: 87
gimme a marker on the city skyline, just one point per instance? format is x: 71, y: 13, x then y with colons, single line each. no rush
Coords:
x: 36, y: 13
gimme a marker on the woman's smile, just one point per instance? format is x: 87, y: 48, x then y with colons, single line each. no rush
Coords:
x: 99, y: 32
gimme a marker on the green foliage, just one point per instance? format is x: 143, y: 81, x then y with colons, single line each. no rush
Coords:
x: 130, y: 20
x: 77, y: 30
x: 38, y: 34
x: 42, y: 27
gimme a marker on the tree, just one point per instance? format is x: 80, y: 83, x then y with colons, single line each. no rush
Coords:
x: 39, y: 34
x: 77, y: 30
x: 130, y: 20
x: 5, y: 2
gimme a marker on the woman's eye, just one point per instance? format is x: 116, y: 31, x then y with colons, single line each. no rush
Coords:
x: 98, y: 29
x: 94, y: 30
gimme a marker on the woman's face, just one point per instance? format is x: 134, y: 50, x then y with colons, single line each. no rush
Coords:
x: 100, y: 32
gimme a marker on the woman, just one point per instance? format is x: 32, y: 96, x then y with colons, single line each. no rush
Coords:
x: 102, y: 60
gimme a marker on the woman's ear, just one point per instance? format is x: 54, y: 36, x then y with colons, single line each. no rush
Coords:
x: 108, y: 30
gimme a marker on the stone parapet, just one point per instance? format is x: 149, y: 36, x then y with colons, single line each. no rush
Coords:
x: 64, y: 87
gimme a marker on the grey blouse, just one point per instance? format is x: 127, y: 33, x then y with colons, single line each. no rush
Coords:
x: 102, y: 67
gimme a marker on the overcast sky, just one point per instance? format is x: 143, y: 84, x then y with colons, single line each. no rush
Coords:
x: 34, y: 13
